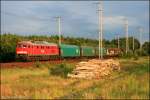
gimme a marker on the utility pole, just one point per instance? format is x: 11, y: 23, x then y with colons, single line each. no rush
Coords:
x: 126, y: 31
x: 100, y: 16
x: 140, y: 31
x: 133, y: 43
x: 118, y: 41
x: 58, y: 18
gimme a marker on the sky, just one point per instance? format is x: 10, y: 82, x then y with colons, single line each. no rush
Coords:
x: 78, y: 18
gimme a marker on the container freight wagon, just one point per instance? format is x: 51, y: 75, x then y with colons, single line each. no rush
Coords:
x: 67, y: 51
x: 97, y: 51
x: 38, y: 50
x: 87, y: 51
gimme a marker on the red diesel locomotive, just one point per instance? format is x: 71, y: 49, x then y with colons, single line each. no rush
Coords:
x: 37, y: 50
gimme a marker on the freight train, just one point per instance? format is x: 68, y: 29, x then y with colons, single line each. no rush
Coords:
x: 41, y: 50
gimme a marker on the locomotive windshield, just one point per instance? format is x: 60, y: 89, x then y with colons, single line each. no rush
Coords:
x: 21, y: 46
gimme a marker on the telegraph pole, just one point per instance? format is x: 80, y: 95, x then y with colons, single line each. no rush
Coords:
x: 100, y: 16
x: 126, y: 31
x: 58, y: 18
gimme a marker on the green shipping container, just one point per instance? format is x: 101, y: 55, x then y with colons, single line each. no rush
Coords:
x: 69, y: 50
x: 87, y: 51
x: 97, y: 51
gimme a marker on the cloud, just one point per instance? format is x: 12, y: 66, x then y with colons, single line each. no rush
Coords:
x: 79, y: 18
x: 116, y: 21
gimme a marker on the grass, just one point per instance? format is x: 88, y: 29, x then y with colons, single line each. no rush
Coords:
x: 132, y: 82
x: 61, y: 70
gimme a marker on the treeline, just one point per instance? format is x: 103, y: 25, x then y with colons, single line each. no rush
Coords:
x: 8, y: 43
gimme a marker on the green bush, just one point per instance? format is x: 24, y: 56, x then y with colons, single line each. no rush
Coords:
x: 135, y: 57
x: 141, y: 53
x: 144, y: 53
x: 137, y: 52
x: 37, y: 64
x: 128, y: 55
x: 60, y: 70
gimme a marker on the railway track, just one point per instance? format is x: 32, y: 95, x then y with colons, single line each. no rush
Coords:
x: 31, y: 64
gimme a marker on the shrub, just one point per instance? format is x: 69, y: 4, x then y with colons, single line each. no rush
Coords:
x: 37, y: 64
x: 60, y: 70
x: 144, y: 53
x: 128, y: 55
x: 135, y: 57
x: 141, y: 53
x: 137, y: 52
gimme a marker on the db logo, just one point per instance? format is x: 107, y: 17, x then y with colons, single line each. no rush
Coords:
x: 42, y: 51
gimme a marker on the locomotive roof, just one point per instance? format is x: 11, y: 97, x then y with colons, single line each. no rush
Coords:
x: 37, y: 43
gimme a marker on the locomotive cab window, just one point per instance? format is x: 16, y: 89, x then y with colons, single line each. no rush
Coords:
x: 41, y: 47
x: 19, y: 45
x: 24, y: 46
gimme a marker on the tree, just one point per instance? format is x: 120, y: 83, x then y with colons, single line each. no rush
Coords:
x: 146, y: 47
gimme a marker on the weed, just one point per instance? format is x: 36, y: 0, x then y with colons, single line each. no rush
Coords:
x: 60, y: 70
x: 132, y: 82
x: 37, y: 64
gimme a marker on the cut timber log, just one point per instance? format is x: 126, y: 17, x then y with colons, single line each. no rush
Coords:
x: 94, y: 68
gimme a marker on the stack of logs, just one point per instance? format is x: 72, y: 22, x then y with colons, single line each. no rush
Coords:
x: 94, y: 69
